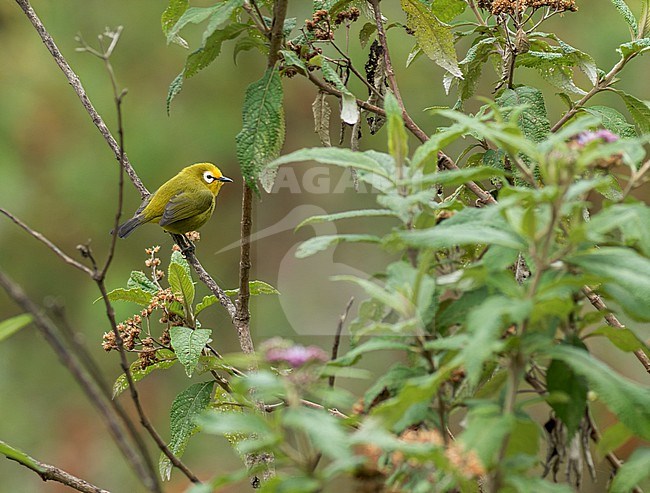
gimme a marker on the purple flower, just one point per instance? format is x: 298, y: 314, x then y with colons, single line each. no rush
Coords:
x: 295, y: 355
x: 584, y: 138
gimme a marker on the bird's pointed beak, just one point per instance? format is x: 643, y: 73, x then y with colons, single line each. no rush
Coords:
x: 224, y: 179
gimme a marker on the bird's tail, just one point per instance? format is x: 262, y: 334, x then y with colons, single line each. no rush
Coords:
x: 125, y: 229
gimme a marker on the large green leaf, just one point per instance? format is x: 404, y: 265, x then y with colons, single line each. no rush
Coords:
x: 166, y: 359
x: 262, y: 135
x: 625, y: 274
x: 140, y: 280
x: 187, y: 406
x: 612, y: 120
x: 336, y: 156
x: 326, y: 218
x: 472, y: 65
x: 134, y: 295
x: 533, y: 121
x: 628, y: 400
x: 14, y: 324
x: 434, y: 37
x: 188, y: 345
x: 181, y: 283
x: 470, y: 226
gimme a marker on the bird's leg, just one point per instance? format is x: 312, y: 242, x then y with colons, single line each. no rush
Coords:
x: 184, y: 243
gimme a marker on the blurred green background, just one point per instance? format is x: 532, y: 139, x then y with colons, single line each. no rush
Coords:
x: 58, y: 175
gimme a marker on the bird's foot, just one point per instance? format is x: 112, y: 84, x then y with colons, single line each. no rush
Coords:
x: 186, y: 246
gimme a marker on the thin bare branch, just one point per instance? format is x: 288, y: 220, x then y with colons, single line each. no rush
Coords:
x: 337, y: 337
x: 74, y: 81
x: 94, y: 393
x: 62, y: 255
x: 48, y: 472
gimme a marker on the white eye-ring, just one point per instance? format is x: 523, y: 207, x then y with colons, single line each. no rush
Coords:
x: 208, y: 176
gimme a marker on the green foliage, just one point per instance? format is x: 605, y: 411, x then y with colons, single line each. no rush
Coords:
x: 434, y: 38
x: 262, y: 134
x: 479, y: 296
x: 165, y: 359
x: 12, y: 325
x: 187, y: 406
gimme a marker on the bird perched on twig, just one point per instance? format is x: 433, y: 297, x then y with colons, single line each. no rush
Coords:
x: 182, y: 204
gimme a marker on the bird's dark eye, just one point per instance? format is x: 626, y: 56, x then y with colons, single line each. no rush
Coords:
x: 208, y: 177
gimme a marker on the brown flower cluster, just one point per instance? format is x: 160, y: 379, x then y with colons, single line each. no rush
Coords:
x: 510, y: 7
x: 193, y: 236
x: 319, y: 25
x: 147, y: 356
x: 465, y: 461
x: 129, y: 331
x: 351, y: 15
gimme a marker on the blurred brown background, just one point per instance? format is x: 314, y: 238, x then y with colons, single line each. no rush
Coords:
x: 58, y: 175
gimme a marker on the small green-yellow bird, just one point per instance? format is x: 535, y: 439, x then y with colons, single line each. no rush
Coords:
x: 182, y: 204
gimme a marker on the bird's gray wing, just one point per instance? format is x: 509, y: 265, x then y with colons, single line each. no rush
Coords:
x: 186, y: 205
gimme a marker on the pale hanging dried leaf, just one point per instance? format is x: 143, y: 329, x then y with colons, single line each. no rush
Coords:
x: 322, y: 111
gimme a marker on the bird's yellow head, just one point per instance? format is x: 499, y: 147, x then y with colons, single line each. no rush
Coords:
x: 208, y: 175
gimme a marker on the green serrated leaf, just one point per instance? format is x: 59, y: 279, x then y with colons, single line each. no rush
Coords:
x: 612, y: 120
x: 434, y: 37
x: 12, y: 325
x: 326, y: 218
x: 174, y: 88
x: 181, y: 283
x: 166, y: 359
x: 221, y: 14
x: 292, y: 60
x: 447, y: 10
x: 320, y: 243
x: 627, y: 14
x: 135, y: 295
x: 187, y: 406
x: 639, y: 110
x: 188, y: 345
x: 533, y: 121
x: 262, y: 134
x: 139, y: 280
x: 368, y: 29
x: 336, y: 156
x: 207, y: 301
x: 472, y: 66
x: 175, y: 9
x: 636, y: 47
x: 211, y: 48
x: 249, y: 43
x: 193, y: 15
x: 177, y: 258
